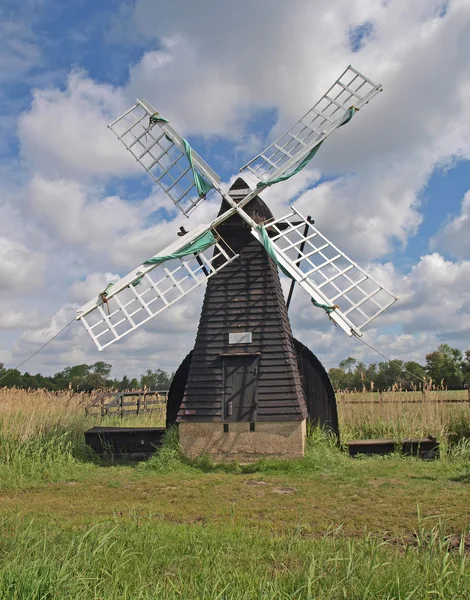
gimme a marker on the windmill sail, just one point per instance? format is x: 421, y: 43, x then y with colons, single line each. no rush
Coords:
x: 326, y: 273
x: 329, y: 276
x: 182, y: 174
x: 350, y: 92
x: 157, y: 284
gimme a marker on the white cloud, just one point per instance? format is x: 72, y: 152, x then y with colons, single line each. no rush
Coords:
x: 439, y: 296
x: 210, y: 73
x: 106, y: 228
x: 65, y: 133
x: 78, y: 214
x: 13, y: 318
x: 20, y: 269
x: 454, y: 237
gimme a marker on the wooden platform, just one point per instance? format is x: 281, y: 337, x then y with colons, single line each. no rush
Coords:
x: 138, y: 443
x: 131, y: 443
x: 426, y: 448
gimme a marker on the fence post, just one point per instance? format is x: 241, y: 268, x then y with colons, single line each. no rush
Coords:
x: 102, y: 405
x: 138, y: 403
x: 122, y: 405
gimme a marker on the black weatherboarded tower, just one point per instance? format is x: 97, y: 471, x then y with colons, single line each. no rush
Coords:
x: 240, y: 393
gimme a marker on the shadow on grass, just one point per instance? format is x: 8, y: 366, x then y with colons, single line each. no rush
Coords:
x: 322, y: 453
x: 463, y: 478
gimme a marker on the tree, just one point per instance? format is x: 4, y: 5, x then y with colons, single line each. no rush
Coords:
x: 466, y: 367
x: 102, y: 369
x: 446, y: 364
x: 85, y: 378
x: 357, y: 377
x: 156, y: 380
x: 347, y: 364
x: 13, y: 378
x: 390, y: 374
x: 124, y: 384
x: 415, y: 369
x: 338, y: 378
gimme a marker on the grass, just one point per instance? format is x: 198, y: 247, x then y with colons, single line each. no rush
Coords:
x: 140, y: 559
x: 327, y: 526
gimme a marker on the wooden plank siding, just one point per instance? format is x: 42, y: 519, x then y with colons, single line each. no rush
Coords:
x: 246, y: 296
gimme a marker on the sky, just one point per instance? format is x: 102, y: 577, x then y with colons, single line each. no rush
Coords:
x: 392, y: 188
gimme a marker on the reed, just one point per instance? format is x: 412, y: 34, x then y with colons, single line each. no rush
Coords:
x: 41, y: 428
x: 399, y: 414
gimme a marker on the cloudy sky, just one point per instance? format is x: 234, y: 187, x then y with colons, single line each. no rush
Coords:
x: 392, y: 188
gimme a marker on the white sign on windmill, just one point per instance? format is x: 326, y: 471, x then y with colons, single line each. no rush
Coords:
x: 350, y: 296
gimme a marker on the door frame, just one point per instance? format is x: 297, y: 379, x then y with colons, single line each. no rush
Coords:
x: 223, y: 356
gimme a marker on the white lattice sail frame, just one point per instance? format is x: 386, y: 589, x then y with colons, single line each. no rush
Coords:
x: 160, y: 150
x: 320, y: 268
x: 326, y: 273
x: 128, y: 307
x: 351, y: 89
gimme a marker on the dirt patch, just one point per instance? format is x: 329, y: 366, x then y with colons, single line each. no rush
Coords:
x: 285, y: 490
x: 449, y: 543
x: 255, y: 482
x: 460, y: 541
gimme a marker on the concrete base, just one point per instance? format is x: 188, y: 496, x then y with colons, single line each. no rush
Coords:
x: 276, y: 439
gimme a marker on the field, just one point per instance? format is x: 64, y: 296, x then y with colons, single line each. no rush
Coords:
x: 326, y: 527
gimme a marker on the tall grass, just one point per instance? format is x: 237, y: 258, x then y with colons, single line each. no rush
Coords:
x: 143, y: 559
x: 398, y: 415
x: 41, y: 433
x: 445, y: 421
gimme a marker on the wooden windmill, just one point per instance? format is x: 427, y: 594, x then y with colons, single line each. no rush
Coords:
x: 247, y: 387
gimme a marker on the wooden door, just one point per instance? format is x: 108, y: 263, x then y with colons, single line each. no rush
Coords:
x: 240, y: 388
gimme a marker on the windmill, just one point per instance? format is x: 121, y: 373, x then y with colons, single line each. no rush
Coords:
x: 350, y: 297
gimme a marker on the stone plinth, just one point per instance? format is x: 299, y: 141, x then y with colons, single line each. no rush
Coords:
x: 275, y: 439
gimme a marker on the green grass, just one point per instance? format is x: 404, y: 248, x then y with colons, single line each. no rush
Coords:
x: 142, y: 558
x: 74, y: 526
x: 35, y: 452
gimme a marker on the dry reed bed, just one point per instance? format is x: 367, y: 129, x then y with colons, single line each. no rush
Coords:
x: 400, y: 414
x: 403, y: 396
x: 30, y: 413
x: 396, y: 414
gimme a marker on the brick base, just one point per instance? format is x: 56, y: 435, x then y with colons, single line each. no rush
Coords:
x: 276, y: 439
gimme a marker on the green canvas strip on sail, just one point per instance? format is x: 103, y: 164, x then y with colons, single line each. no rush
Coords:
x: 206, y: 240
x: 349, y: 115
x: 203, y: 187
x: 293, y: 150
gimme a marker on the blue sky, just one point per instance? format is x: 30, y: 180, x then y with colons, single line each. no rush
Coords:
x: 390, y: 189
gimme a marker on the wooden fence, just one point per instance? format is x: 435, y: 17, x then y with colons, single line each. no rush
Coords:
x: 127, y: 403
x: 403, y: 397
x: 135, y: 403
